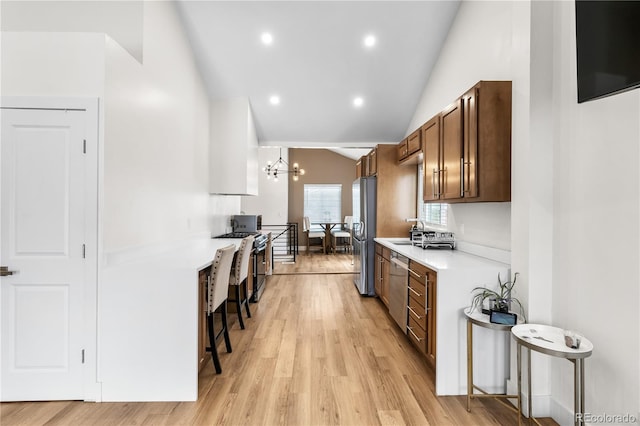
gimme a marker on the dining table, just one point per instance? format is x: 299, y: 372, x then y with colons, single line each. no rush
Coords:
x: 327, y: 226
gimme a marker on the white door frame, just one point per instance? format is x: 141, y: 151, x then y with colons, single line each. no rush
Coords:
x: 93, y: 206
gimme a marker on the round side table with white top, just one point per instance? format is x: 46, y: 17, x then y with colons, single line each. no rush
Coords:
x: 551, y: 341
x: 476, y: 317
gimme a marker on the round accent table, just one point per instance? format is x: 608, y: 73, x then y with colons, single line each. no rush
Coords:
x: 549, y: 340
x: 476, y: 317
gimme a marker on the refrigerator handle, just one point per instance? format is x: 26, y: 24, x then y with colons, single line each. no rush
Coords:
x: 363, y: 232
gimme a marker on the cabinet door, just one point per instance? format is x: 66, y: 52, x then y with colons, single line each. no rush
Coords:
x: 413, y: 142
x: 377, y: 282
x: 452, y: 152
x: 402, y: 150
x: 203, y: 340
x: 373, y: 162
x: 385, y: 282
x: 470, y: 143
x: 431, y: 286
x: 431, y: 159
x: 359, y: 168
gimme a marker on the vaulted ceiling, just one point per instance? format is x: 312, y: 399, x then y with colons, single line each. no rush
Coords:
x: 318, y: 62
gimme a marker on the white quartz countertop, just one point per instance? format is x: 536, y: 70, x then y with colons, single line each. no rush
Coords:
x: 195, y: 254
x: 439, y: 259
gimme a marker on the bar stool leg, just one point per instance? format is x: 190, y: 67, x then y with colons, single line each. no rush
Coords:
x: 239, y: 307
x: 212, y: 343
x: 246, y: 297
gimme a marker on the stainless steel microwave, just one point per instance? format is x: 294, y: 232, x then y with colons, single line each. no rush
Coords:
x: 247, y: 223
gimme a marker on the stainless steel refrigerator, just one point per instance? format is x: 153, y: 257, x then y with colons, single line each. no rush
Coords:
x: 364, y: 220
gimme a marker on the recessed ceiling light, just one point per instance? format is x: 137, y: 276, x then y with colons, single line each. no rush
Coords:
x: 274, y: 100
x: 266, y: 38
x: 358, y: 102
x: 370, y: 40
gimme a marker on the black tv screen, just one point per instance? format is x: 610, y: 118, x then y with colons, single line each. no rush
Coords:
x: 608, y: 47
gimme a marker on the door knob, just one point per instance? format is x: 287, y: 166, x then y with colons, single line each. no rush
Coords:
x: 4, y: 271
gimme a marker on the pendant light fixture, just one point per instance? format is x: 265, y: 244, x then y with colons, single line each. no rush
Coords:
x: 282, y: 167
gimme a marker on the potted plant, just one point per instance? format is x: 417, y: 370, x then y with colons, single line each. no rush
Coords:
x: 500, y: 299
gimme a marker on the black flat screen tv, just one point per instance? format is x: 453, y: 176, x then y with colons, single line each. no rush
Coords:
x: 608, y: 47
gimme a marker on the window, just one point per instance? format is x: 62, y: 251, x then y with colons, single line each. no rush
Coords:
x: 323, y: 202
x: 431, y: 213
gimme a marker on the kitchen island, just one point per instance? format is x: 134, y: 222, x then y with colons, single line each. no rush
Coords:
x: 148, y: 333
x: 457, y: 274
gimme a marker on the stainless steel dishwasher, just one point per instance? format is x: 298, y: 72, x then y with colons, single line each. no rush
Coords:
x: 398, y: 278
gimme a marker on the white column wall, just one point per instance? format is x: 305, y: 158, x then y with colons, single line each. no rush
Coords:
x: 596, y: 235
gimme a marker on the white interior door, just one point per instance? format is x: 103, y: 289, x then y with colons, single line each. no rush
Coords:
x: 43, y: 237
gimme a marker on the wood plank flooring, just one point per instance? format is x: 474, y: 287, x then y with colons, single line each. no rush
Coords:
x: 314, y: 353
x: 317, y: 263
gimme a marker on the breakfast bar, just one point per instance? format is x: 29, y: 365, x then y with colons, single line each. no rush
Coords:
x: 149, y: 323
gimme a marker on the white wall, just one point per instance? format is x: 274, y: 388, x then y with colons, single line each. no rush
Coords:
x: 272, y: 201
x: 157, y: 141
x: 122, y: 20
x: 478, y: 47
x: 575, y: 171
x: 596, y: 189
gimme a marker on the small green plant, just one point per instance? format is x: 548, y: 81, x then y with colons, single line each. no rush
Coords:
x: 500, y: 299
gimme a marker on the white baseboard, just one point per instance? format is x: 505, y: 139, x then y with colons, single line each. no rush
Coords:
x: 541, y: 403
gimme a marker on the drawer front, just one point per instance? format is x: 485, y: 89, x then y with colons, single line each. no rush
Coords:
x: 417, y: 335
x: 417, y: 290
x: 386, y: 252
x: 419, y: 271
x: 379, y: 249
x: 417, y: 313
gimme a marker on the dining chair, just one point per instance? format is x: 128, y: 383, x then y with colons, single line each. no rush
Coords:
x: 239, y: 276
x: 217, y: 292
x: 313, y: 235
x: 343, y: 235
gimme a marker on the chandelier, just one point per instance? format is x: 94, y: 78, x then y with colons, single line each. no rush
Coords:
x: 282, y: 167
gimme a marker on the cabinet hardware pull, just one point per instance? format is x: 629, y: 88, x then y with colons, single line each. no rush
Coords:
x: 415, y: 292
x: 467, y: 175
x: 462, y: 177
x: 414, y: 273
x: 414, y: 334
x: 414, y: 312
x: 433, y: 182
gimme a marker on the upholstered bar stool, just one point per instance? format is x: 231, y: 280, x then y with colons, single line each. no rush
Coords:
x: 217, y: 292
x: 239, y: 276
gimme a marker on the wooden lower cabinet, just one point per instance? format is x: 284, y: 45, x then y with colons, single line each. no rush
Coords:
x: 202, y: 317
x: 381, y: 272
x: 421, y: 326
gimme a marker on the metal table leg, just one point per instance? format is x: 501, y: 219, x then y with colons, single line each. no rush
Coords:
x: 519, y: 361
x: 469, y: 363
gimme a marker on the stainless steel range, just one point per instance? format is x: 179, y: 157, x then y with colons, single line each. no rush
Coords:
x: 260, y: 254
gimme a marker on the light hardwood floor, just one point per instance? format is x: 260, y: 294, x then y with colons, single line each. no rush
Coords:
x: 314, y: 353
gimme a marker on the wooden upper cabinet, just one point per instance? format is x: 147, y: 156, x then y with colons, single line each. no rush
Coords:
x: 413, y: 142
x: 431, y: 159
x: 360, y: 167
x: 451, y: 145
x: 410, y: 148
x: 487, y: 142
x: 372, y: 161
x: 467, y: 147
x: 402, y: 150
